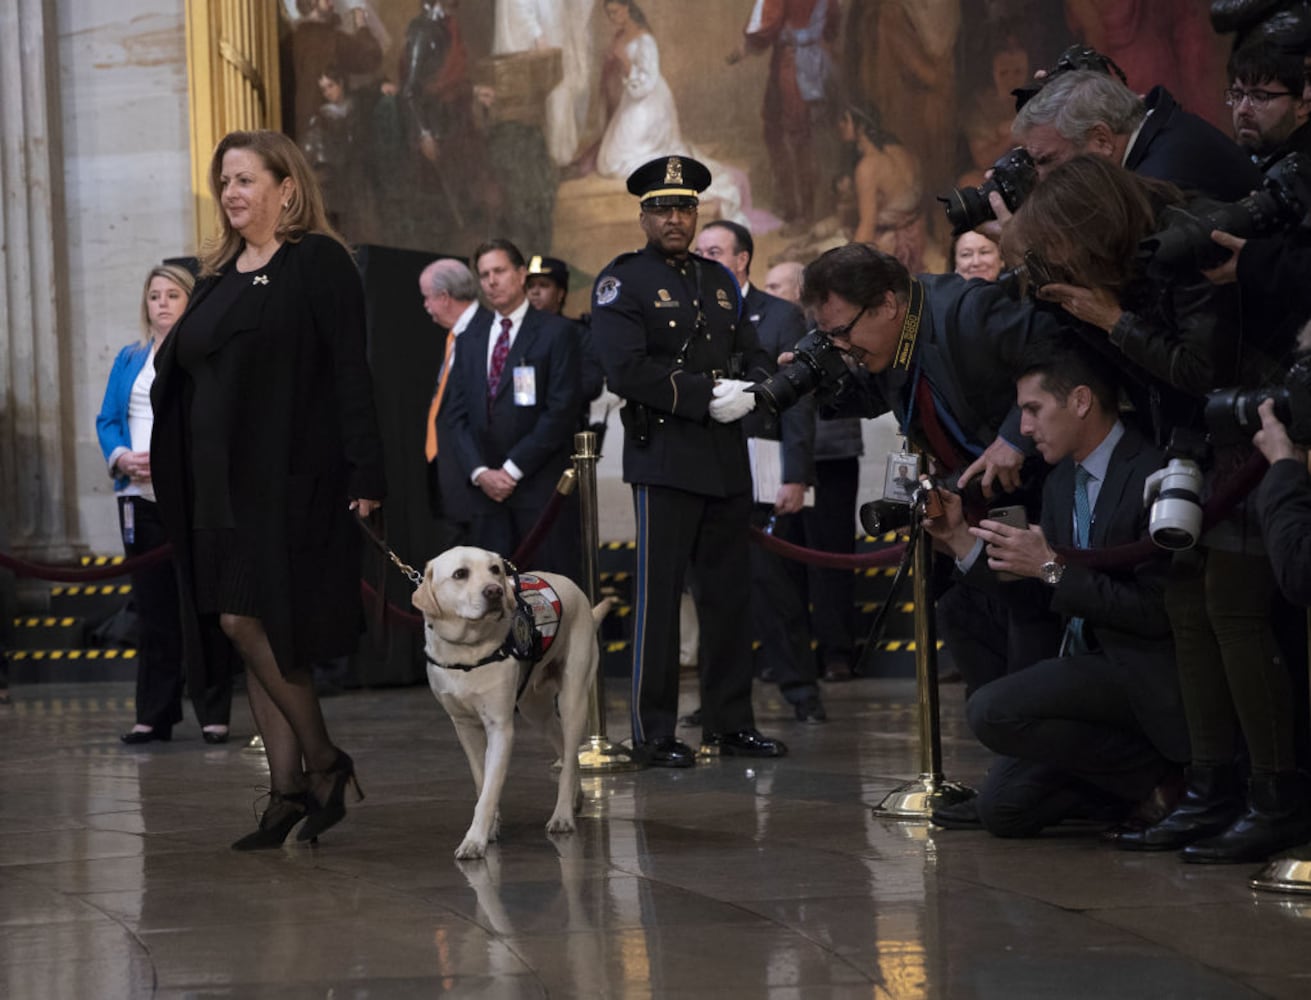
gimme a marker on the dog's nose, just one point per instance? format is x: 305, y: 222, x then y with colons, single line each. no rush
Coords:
x: 493, y: 592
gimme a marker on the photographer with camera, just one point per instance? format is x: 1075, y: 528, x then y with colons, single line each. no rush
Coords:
x: 1284, y: 506
x: 1095, y: 727
x: 1085, y: 111
x: 939, y: 352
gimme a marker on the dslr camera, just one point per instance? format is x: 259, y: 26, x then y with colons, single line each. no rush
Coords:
x: 1013, y: 177
x: 1231, y: 414
x: 1175, y: 492
x: 1075, y: 57
x: 1282, y: 204
x: 885, y: 514
x: 818, y: 365
x: 1028, y: 276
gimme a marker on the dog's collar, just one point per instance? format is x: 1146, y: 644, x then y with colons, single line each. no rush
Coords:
x: 532, y: 626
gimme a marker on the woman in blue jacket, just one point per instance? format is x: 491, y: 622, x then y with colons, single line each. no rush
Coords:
x: 124, y: 426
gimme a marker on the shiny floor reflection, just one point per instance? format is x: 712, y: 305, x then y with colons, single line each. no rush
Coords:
x: 734, y: 879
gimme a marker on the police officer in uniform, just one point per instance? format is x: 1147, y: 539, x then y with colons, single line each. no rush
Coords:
x: 672, y: 335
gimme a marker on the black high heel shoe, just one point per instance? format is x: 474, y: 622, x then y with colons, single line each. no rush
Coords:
x: 333, y: 809
x: 283, y: 812
x: 161, y: 733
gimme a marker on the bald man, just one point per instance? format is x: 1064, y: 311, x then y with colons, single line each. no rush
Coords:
x: 784, y: 281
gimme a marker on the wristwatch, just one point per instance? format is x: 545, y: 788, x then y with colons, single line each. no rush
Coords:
x: 1051, y: 572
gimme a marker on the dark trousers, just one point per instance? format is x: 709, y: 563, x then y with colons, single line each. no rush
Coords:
x: 502, y: 529
x: 830, y: 526
x: 675, y: 530
x: 160, y: 670
x: 778, y: 610
x: 1073, y: 719
x: 990, y: 638
x: 1230, y: 671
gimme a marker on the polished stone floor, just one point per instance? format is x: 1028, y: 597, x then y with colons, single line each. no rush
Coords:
x: 734, y: 879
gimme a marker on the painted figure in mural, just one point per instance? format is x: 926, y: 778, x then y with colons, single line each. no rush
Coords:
x: 988, y: 113
x: 645, y: 122
x: 889, y: 197
x: 909, y: 73
x: 337, y: 142
x: 799, y: 35
x: 526, y: 25
x: 1158, y: 42
x: 317, y: 42
x: 519, y: 177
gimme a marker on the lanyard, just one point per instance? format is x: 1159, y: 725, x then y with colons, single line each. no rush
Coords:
x: 910, y: 329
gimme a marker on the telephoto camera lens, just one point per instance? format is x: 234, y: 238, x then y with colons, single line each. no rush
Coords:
x: 1175, y: 521
x: 816, y: 364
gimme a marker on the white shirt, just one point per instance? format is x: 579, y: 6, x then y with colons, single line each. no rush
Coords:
x: 140, y: 420
x: 516, y: 321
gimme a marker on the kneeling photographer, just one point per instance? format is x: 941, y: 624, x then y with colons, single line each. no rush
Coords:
x: 1094, y: 726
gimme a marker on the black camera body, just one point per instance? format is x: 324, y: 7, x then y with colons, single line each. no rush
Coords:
x: 1076, y: 57
x: 1282, y: 204
x: 1013, y: 177
x: 818, y: 365
x: 1231, y: 414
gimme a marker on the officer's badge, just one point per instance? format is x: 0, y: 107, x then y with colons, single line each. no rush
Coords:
x: 674, y: 171
x: 607, y: 290
x: 722, y: 297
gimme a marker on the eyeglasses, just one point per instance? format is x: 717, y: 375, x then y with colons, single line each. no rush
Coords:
x: 843, y: 331
x: 1260, y: 98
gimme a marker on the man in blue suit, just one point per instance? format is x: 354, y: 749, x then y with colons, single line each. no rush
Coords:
x: 512, y: 409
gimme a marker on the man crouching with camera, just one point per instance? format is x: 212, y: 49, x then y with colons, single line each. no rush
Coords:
x: 1093, y: 728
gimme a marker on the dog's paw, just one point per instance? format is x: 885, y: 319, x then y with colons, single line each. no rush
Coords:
x: 472, y: 849
x: 561, y: 824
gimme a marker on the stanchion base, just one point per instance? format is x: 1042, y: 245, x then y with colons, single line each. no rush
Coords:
x: 256, y: 745
x: 915, y: 799
x: 1284, y: 875
x: 598, y: 756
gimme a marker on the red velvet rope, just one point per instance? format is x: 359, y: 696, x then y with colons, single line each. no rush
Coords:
x: 67, y: 574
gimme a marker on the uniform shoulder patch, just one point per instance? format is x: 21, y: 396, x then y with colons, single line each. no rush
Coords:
x: 607, y: 290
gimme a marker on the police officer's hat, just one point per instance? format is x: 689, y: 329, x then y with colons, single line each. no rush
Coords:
x: 550, y: 267
x: 669, y: 182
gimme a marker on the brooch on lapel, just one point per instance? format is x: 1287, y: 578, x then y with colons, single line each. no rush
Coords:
x: 261, y: 279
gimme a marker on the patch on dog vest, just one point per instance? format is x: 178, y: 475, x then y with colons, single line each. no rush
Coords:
x: 544, y: 603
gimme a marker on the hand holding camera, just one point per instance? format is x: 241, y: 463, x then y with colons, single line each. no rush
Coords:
x: 949, y: 527
x: 1272, y: 439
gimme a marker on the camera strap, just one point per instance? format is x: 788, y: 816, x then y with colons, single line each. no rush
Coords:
x: 910, y: 328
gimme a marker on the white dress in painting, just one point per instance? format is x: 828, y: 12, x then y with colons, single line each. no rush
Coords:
x: 524, y: 25
x: 645, y: 126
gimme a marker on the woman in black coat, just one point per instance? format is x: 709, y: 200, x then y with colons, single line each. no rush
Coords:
x: 265, y: 442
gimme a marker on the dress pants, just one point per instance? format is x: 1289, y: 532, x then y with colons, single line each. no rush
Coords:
x: 160, y: 671
x: 675, y: 530
x: 1072, y: 717
x: 778, y: 610
x: 989, y: 637
x: 830, y: 526
x: 501, y: 528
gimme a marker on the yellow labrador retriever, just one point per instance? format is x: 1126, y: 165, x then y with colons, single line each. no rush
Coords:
x: 469, y: 604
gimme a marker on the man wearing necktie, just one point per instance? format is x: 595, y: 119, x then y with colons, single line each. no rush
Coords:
x: 1098, y: 727
x: 511, y: 410
x: 450, y: 297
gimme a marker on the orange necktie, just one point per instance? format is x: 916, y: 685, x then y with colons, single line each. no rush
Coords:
x: 430, y: 444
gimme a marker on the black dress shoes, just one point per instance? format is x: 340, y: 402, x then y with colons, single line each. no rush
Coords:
x: 668, y: 752
x: 810, y: 710
x: 214, y: 736
x: 1211, y: 802
x: 957, y: 815
x: 746, y: 743
x: 161, y: 733
x: 1278, y: 816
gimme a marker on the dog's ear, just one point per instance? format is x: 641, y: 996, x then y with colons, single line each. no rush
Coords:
x: 425, y: 595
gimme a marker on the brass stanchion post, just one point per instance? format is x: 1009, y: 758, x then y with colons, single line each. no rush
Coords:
x: 597, y: 754
x: 914, y: 800
x: 1293, y: 872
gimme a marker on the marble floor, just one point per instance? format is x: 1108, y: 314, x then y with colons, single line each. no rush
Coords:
x: 734, y: 879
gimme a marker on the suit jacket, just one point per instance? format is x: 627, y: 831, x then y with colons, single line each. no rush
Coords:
x: 1190, y: 152
x: 779, y: 325
x: 1284, y: 505
x: 1124, y: 610
x: 303, y: 440
x: 538, y: 437
x: 450, y: 492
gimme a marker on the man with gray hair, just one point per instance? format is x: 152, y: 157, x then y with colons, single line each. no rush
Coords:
x: 450, y: 297
x: 1084, y: 111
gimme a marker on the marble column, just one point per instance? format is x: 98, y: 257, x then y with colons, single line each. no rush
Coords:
x: 36, y: 459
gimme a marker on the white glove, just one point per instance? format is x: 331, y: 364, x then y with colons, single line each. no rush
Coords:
x: 732, y: 401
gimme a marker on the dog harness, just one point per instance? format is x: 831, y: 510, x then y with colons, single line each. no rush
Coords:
x: 533, y: 626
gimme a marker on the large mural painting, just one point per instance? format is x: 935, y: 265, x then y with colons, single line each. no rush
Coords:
x: 436, y: 123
